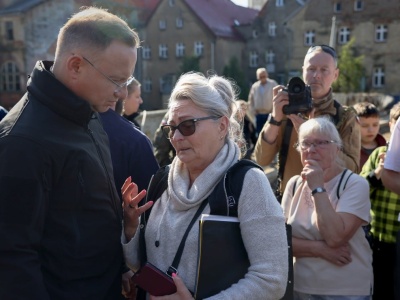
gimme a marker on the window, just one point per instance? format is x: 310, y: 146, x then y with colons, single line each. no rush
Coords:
x: 9, y: 30
x: 9, y: 78
x: 279, y: 3
x: 378, y: 78
x: 272, y: 29
x: 198, y: 48
x: 270, y: 59
x: 344, y: 35
x: 255, y: 34
x: 147, y: 85
x: 163, y: 51
x: 146, y: 52
x: 179, y: 22
x: 381, y: 32
x: 180, y: 50
x: 309, y: 38
x: 253, y: 59
x: 171, y: 3
x: 358, y: 5
x: 163, y: 24
x: 337, y: 7
x: 270, y: 56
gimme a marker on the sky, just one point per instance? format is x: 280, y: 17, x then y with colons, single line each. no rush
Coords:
x: 240, y: 2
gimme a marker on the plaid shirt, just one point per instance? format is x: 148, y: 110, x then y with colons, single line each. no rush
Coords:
x: 385, y: 205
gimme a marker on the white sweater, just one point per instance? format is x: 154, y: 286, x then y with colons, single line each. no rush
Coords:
x: 261, y: 221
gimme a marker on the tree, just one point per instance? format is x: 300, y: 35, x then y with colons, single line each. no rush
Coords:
x: 234, y: 72
x: 351, y: 70
x: 190, y: 64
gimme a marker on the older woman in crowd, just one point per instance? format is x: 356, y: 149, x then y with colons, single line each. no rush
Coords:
x: 327, y: 206
x: 203, y: 130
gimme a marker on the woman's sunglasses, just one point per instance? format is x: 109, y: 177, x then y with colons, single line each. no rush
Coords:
x: 186, y: 128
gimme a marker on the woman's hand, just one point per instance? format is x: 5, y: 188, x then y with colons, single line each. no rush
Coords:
x: 379, y: 169
x: 132, y: 210
x: 182, y: 293
x: 313, y: 174
x: 128, y: 288
x: 339, y: 256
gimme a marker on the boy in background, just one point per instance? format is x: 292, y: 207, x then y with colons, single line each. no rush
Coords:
x: 368, y: 117
x: 385, y: 209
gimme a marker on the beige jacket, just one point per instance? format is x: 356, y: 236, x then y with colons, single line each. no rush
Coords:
x: 348, y: 129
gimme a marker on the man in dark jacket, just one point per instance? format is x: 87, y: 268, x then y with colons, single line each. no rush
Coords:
x: 60, y: 217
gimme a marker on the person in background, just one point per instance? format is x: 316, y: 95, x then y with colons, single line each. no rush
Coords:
x: 280, y: 132
x: 3, y: 112
x: 60, y: 216
x: 332, y: 257
x: 163, y: 150
x: 385, y: 208
x: 203, y: 130
x: 249, y: 131
x: 391, y: 180
x: 132, y: 102
x: 368, y: 117
x: 131, y: 150
x: 260, y: 98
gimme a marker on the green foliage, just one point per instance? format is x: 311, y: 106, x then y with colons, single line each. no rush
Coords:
x: 235, y: 73
x: 351, y: 70
x: 190, y: 64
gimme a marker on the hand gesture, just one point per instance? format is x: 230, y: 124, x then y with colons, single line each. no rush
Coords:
x: 182, y: 293
x: 132, y: 210
x: 379, y: 168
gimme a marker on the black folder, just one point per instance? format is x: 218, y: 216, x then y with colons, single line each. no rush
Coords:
x: 223, y: 258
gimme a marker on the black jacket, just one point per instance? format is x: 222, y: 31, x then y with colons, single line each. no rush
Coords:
x: 60, y: 217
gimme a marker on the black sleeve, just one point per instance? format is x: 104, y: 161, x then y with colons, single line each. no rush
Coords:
x: 24, y: 194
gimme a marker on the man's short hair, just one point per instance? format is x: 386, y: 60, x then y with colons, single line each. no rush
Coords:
x: 324, y: 48
x: 366, y: 109
x: 94, y: 29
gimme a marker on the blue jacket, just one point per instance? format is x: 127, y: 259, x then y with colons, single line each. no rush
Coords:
x: 131, y: 151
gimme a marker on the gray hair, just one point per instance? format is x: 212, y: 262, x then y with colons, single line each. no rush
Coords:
x: 94, y: 29
x: 216, y: 95
x: 322, y: 125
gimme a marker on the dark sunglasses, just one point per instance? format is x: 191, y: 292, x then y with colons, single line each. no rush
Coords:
x: 186, y: 128
x: 327, y: 49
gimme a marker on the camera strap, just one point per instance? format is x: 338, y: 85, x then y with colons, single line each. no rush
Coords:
x: 175, y: 263
x: 283, y: 155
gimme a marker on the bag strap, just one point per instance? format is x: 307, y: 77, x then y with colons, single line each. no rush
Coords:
x: 175, y: 263
x: 341, y: 187
x: 225, y: 197
x: 283, y: 157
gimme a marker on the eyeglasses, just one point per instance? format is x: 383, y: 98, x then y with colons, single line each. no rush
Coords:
x: 186, y: 128
x: 119, y: 86
x: 321, y: 144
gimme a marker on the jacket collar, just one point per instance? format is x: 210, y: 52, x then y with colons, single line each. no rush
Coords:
x: 45, y: 88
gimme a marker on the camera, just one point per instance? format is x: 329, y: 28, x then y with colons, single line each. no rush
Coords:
x: 299, y: 97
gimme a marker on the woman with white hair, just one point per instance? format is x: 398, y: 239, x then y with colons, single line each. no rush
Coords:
x: 204, y: 132
x: 327, y: 205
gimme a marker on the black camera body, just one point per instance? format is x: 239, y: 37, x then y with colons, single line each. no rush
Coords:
x: 300, y: 100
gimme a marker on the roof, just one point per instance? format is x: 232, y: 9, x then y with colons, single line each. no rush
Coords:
x: 145, y: 8
x: 221, y: 16
x: 20, y: 7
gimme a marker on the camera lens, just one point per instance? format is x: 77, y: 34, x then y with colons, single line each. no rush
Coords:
x: 297, y: 88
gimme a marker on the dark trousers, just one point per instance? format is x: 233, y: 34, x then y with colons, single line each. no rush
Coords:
x: 384, y: 264
x: 260, y: 121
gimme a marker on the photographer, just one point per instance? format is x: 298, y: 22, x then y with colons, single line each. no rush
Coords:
x: 280, y: 132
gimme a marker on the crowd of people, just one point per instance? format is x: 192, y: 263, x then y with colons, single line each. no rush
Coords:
x: 77, y: 220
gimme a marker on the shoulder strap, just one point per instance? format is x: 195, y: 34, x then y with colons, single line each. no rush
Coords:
x: 225, y: 197
x: 343, y: 182
x: 283, y: 156
x: 336, y: 117
x: 296, y: 184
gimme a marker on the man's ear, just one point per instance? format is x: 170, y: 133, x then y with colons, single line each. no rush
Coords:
x: 74, y: 66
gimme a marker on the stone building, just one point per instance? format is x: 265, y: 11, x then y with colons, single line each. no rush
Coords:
x: 182, y: 29
x: 281, y: 35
